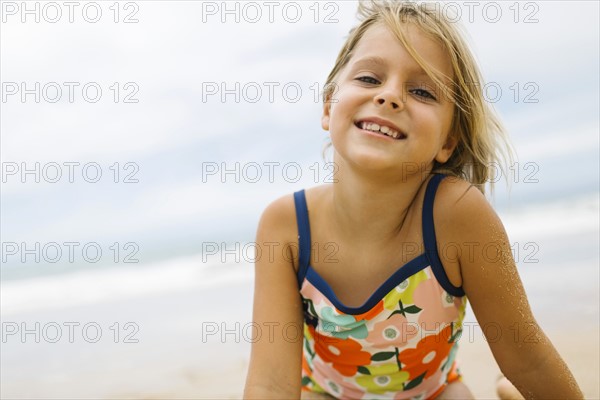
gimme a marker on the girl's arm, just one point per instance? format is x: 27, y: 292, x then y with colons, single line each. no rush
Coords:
x: 276, y: 357
x: 494, y: 289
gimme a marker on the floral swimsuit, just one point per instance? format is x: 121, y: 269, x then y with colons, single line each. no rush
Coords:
x: 400, y: 344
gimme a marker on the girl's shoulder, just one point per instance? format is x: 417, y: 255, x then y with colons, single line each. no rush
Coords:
x: 278, y: 215
x: 463, y: 214
x: 464, y: 223
x: 278, y: 221
x: 455, y: 189
x: 283, y: 209
x: 457, y: 198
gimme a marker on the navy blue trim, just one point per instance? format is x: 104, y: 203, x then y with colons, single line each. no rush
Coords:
x: 429, y: 258
x: 303, y: 234
x: 410, y: 268
x: 430, y: 241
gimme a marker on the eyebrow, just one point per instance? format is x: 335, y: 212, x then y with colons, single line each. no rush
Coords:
x: 372, y: 60
x: 381, y: 62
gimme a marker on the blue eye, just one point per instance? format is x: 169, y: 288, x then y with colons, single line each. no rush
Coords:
x: 368, y: 79
x: 424, y: 93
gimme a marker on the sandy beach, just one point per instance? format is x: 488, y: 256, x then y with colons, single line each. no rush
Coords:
x: 178, y: 355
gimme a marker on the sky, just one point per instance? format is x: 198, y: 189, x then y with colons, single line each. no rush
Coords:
x: 160, y: 126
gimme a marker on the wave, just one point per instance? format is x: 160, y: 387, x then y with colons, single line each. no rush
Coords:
x: 97, y: 286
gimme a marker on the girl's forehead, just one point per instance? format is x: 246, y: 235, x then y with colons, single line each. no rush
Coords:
x: 379, y: 44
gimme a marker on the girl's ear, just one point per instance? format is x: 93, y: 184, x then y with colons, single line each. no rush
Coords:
x: 326, y: 112
x: 327, y: 104
x: 447, y: 149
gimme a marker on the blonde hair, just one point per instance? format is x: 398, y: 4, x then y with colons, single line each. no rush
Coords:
x: 482, y: 140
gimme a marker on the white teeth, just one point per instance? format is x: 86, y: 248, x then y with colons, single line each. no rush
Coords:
x: 386, y: 130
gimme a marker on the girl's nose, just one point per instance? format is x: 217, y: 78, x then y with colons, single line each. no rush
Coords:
x: 389, y: 99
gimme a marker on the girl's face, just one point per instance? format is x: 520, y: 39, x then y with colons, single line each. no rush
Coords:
x: 382, y: 85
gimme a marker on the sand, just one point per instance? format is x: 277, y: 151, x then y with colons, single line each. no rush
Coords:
x: 173, y: 360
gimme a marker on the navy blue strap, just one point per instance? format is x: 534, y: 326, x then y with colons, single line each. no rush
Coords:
x: 303, y: 234
x: 430, y: 241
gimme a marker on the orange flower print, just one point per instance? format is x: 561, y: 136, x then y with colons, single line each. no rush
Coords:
x: 346, y: 355
x: 428, y: 355
x: 392, y: 332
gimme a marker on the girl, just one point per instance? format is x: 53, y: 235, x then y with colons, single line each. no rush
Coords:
x: 405, y: 230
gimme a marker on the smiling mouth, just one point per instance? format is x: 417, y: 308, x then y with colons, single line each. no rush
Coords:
x: 381, y: 129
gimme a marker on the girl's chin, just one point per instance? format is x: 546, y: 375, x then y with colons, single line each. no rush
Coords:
x: 374, y: 162
x: 372, y: 154
x: 379, y: 161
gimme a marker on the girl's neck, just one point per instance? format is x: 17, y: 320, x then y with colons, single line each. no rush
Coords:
x: 370, y: 208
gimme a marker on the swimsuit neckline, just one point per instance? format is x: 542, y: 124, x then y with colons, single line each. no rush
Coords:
x: 430, y: 258
x: 402, y: 273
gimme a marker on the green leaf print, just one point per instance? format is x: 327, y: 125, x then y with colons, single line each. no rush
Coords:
x: 308, y: 349
x: 398, y: 359
x: 415, y: 382
x: 363, y: 370
x: 412, y: 309
x: 456, y: 336
x: 384, y: 355
x: 305, y: 381
x: 404, y: 310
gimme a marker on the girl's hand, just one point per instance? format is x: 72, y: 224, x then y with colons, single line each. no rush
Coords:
x: 494, y: 289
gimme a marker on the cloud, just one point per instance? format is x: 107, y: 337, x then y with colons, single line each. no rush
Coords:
x: 177, y: 49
